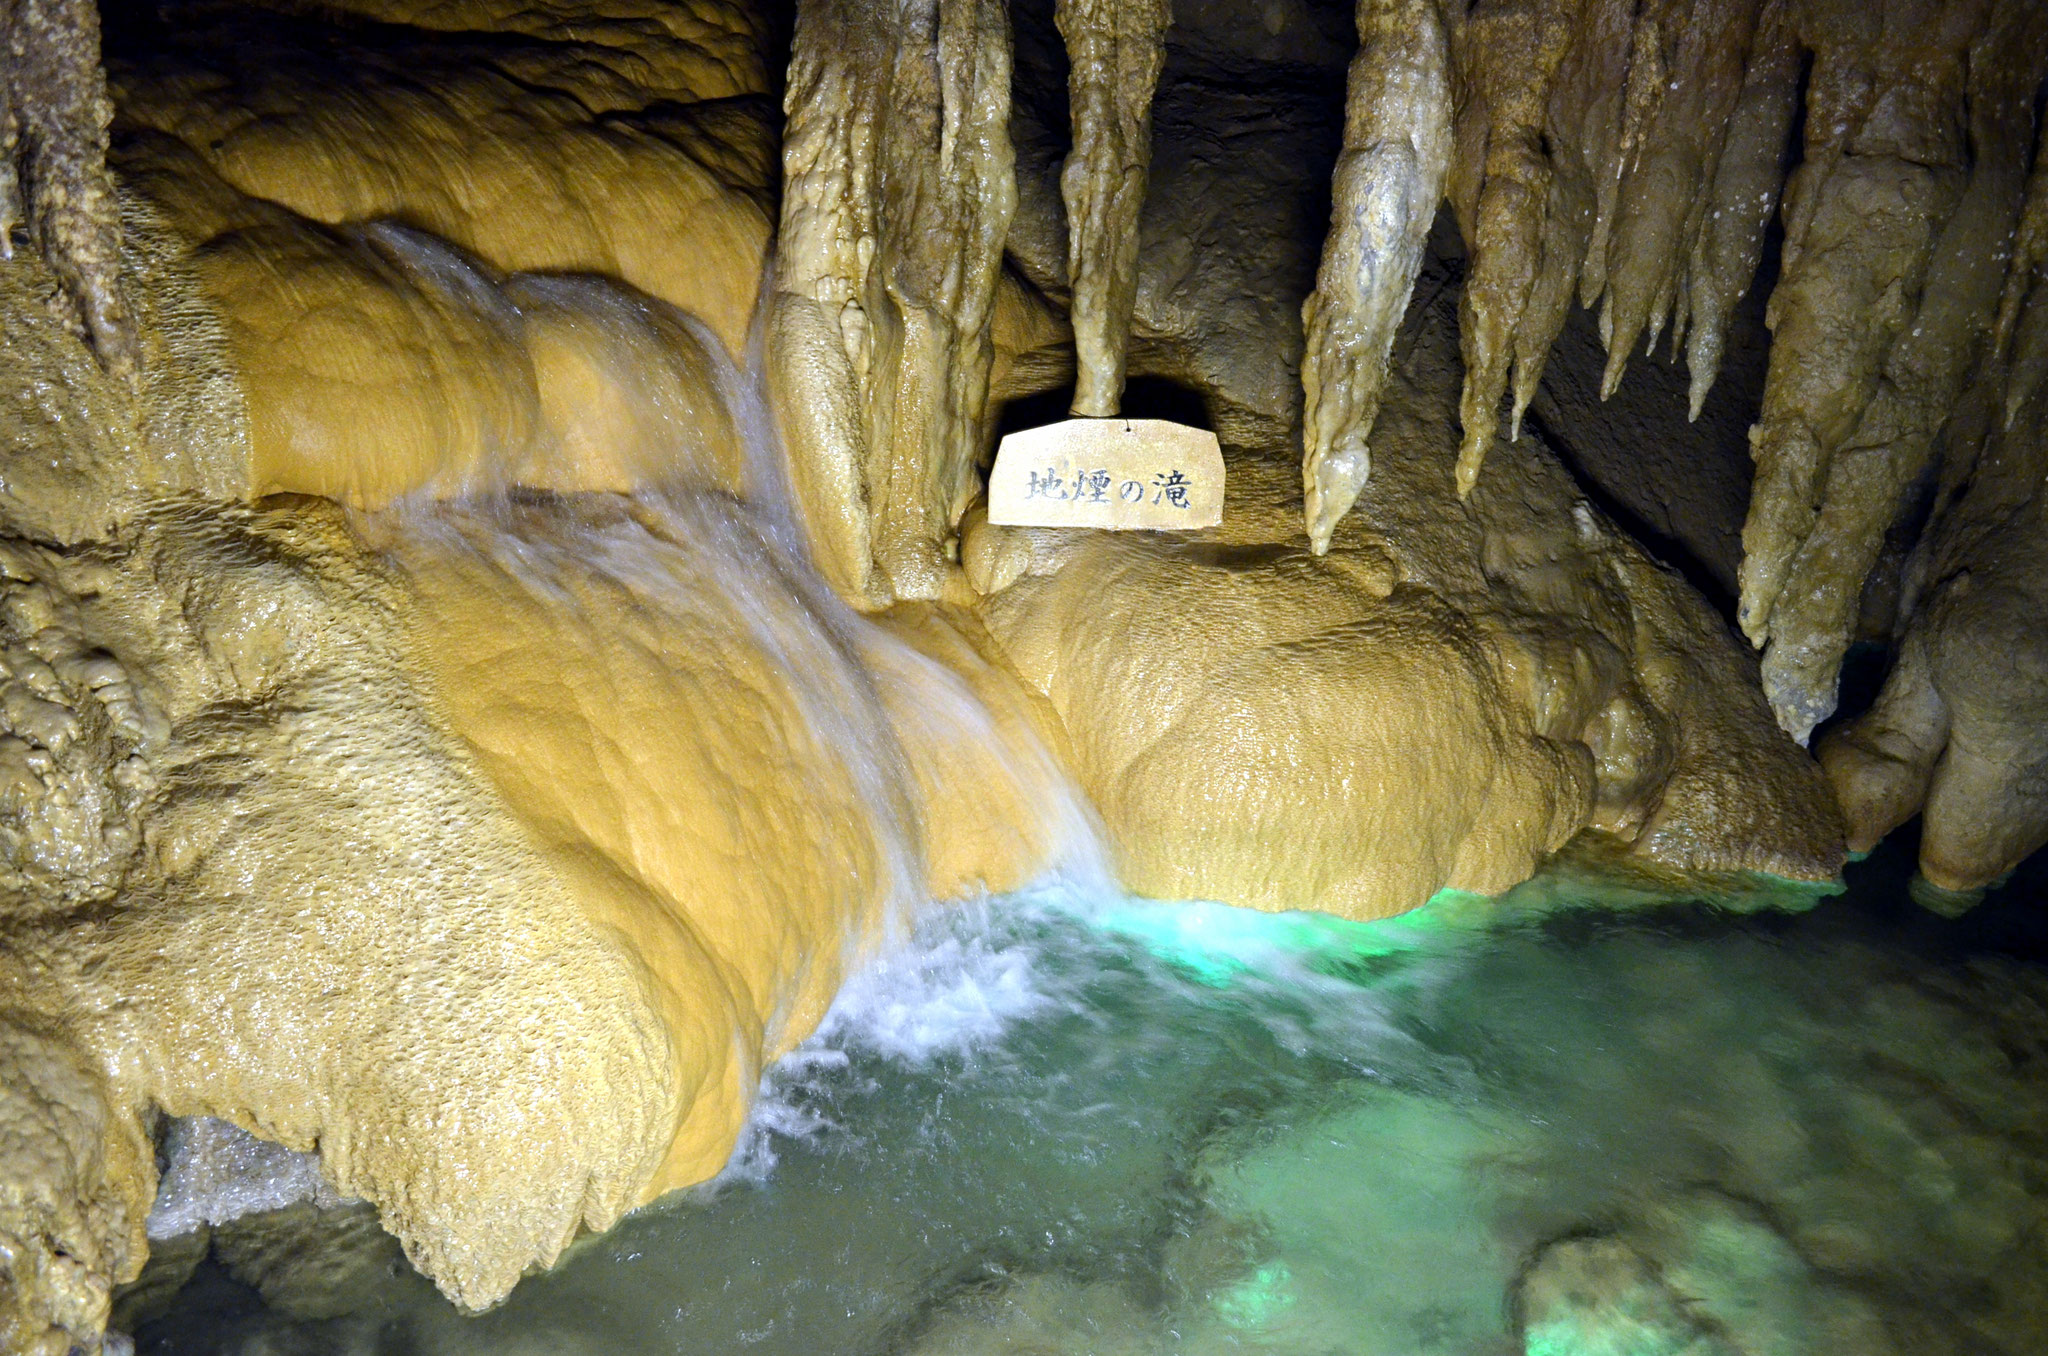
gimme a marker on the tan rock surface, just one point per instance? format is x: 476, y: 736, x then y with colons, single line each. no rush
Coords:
x: 53, y: 172
x: 897, y: 194
x: 489, y: 849
x: 372, y: 363
x: 551, y: 152
x: 1441, y: 700
x: 1114, y: 51
x: 419, y: 859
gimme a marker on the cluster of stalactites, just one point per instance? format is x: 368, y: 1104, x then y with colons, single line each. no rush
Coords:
x: 1632, y: 155
x: 1627, y: 155
x: 898, y: 192
x: 53, y: 164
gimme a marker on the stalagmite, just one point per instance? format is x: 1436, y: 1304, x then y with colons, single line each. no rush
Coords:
x: 1115, y: 49
x: 53, y: 136
x: 1730, y: 243
x: 898, y: 193
x: 1389, y: 179
x: 1500, y: 185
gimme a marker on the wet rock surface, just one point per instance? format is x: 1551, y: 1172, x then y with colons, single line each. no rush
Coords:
x: 489, y: 844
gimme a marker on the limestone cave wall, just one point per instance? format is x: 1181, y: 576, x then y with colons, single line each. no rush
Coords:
x: 498, y: 609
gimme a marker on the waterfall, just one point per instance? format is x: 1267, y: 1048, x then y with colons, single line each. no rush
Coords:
x: 619, y: 618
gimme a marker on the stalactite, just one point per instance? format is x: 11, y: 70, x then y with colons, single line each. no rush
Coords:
x: 1636, y: 151
x: 948, y: 191
x: 1583, y: 126
x: 1859, y: 220
x: 2021, y: 337
x: 10, y: 181
x: 818, y: 329
x: 1923, y: 375
x: 53, y: 130
x: 1607, y: 142
x: 1500, y: 186
x: 1751, y: 172
x: 1864, y: 352
x: 898, y: 193
x: 1690, y: 67
x: 1115, y: 49
x: 1389, y: 180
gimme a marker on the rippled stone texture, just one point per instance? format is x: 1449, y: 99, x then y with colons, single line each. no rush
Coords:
x: 897, y: 195
x: 489, y: 851
x: 1641, y: 152
x: 53, y: 173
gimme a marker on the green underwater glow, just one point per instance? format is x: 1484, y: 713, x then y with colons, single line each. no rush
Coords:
x: 1213, y: 944
x: 1583, y: 1119
x: 1258, y: 1299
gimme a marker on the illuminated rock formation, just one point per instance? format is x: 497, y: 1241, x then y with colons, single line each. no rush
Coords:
x: 1441, y: 699
x: 1640, y: 153
x: 489, y: 850
x: 897, y: 194
x: 1115, y: 48
x: 427, y: 741
x: 283, y: 795
x: 652, y: 164
x: 1389, y: 180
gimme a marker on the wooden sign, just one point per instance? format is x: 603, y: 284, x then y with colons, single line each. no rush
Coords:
x: 1115, y: 473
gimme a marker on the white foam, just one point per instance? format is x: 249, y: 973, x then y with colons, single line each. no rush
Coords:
x: 940, y: 994
x: 957, y: 984
x: 216, y: 1172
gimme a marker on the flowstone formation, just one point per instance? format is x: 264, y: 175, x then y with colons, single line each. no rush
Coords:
x: 487, y: 844
x: 1631, y: 159
x: 1263, y: 724
x: 455, y: 724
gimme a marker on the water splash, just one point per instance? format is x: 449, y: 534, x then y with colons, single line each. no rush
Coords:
x: 1069, y: 1121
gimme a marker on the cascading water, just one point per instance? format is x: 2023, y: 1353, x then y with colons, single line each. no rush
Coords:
x: 1055, y: 1119
x: 561, y: 612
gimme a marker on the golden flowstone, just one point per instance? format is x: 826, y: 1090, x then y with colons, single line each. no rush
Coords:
x: 1113, y: 473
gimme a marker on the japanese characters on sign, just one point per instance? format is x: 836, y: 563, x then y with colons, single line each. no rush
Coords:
x: 1109, y: 473
x: 1168, y: 487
